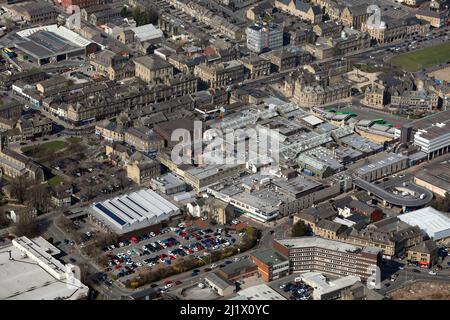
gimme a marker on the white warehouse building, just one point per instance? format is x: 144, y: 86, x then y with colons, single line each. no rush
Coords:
x: 30, y: 271
x: 130, y: 212
x: 434, y: 223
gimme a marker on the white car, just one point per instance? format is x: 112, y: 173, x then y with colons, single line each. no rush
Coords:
x: 152, y: 234
x: 168, y: 286
x: 432, y: 273
x: 139, y: 264
x: 129, y: 252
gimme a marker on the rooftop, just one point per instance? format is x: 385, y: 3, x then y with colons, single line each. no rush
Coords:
x: 435, y: 223
x: 269, y: 257
x: 34, y: 274
x: 305, y: 242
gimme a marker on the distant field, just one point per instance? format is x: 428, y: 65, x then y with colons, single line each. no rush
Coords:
x: 423, y: 58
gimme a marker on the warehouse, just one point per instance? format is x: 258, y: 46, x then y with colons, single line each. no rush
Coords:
x: 382, y: 166
x: 51, y: 43
x: 434, y: 223
x: 138, y: 210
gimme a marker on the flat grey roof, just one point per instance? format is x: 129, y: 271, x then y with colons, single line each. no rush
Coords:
x: 269, y: 257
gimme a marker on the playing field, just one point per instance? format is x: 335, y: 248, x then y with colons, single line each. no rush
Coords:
x: 423, y: 58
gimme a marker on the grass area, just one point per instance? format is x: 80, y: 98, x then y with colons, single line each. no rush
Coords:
x: 44, y: 149
x: 423, y: 58
x: 74, y: 140
x: 55, y: 181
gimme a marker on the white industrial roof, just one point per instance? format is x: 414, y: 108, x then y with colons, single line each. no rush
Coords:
x: 60, y: 31
x: 33, y: 274
x: 322, y: 286
x: 261, y: 292
x: 135, y: 210
x: 147, y: 32
x: 313, y: 120
x: 435, y: 223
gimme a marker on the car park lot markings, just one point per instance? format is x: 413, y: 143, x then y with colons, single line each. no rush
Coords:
x: 163, y: 247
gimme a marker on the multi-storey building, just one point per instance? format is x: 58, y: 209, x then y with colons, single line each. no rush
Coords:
x: 221, y: 74
x: 388, y: 31
x: 416, y: 100
x: 264, y: 36
x: 143, y: 139
x: 14, y: 165
x: 255, y: 67
x: 152, y: 69
x: 300, y: 9
x: 32, y: 12
x: 143, y: 171
x: 309, y: 254
x: 271, y: 264
x: 310, y: 95
x: 375, y: 96
x: 66, y: 4
x: 354, y: 17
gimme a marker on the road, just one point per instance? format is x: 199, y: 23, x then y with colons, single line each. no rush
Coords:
x: 407, y: 276
x: 394, y: 199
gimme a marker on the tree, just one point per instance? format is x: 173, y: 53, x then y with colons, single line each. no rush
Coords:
x: 126, y: 13
x: 442, y: 203
x: 4, y: 221
x: 26, y: 224
x: 146, y: 16
x: 19, y: 188
x: 38, y: 197
x: 299, y: 229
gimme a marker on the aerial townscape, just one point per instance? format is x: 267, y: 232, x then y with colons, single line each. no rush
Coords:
x: 225, y: 150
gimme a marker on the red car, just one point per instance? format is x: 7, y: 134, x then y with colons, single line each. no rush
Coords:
x: 134, y: 240
x: 168, y: 281
x: 178, y: 282
x: 117, y: 267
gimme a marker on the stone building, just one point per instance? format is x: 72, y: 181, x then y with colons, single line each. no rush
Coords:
x: 14, y: 165
x: 221, y: 74
x: 300, y: 9
x: 143, y: 171
x: 255, y: 67
x: 152, y: 69
x: 375, y: 95
x: 311, y: 95
x: 143, y: 139
x: 354, y: 17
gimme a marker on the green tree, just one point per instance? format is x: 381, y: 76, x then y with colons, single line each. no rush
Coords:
x: 299, y: 229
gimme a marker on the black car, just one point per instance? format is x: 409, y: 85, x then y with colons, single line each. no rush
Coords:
x: 416, y: 270
x: 73, y: 260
